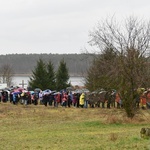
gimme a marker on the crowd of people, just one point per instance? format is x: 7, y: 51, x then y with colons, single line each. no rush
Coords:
x: 67, y: 98
x: 46, y: 97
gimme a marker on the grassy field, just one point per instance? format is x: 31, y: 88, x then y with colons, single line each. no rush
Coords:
x: 48, y: 128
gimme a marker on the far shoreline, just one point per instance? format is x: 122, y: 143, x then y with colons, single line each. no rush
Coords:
x: 28, y: 75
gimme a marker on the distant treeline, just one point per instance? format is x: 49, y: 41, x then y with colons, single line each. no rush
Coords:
x: 25, y: 63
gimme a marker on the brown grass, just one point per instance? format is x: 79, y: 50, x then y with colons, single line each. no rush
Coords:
x: 113, y: 136
x: 40, y: 127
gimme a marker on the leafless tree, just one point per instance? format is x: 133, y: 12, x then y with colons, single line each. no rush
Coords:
x: 130, y: 41
x: 6, y: 73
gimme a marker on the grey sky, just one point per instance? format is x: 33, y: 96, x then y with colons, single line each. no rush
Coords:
x: 58, y: 26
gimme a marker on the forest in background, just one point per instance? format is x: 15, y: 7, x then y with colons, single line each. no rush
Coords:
x: 77, y: 64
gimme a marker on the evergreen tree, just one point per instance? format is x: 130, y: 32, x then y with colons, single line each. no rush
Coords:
x: 51, y: 76
x: 62, y: 76
x: 39, y: 78
x: 102, y: 73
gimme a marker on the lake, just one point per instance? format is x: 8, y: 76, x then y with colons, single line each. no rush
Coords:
x: 17, y: 81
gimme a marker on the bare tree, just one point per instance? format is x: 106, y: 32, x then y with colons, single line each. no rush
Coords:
x: 6, y: 73
x: 131, y: 42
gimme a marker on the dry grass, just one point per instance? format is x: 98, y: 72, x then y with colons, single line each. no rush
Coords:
x: 39, y: 127
x: 113, y: 136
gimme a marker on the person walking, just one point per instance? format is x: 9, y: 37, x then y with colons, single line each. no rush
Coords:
x: 46, y: 99
x: 69, y: 99
x: 82, y: 99
x: 57, y: 99
x: 64, y: 99
x: 41, y: 97
x: 143, y: 100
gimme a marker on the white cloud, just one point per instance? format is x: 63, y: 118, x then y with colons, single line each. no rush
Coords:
x: 46, y: 26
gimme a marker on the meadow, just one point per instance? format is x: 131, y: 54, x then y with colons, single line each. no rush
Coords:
x: 48, y: 128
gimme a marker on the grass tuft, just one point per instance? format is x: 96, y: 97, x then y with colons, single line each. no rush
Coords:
x: 113, y: 137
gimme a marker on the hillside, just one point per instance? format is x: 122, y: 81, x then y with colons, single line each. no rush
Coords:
x: 25, y: 63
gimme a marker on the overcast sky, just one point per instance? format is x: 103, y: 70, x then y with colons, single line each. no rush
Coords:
x: 58, y: 26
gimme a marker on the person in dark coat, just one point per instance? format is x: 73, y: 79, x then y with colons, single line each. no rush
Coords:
x: 78, y: 97
x: 45, y: 99
x: 108, y: 99
x: 35, y: 97
x: 69, y: 100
